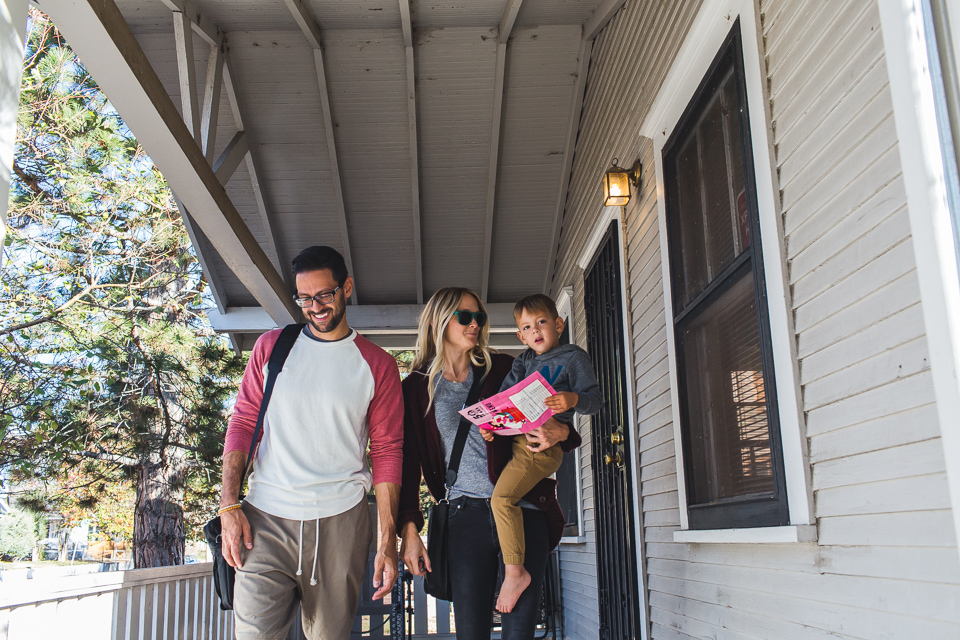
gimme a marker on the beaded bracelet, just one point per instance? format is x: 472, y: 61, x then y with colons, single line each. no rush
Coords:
x: 223, y: 510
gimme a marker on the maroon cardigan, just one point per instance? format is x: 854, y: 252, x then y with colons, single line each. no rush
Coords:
x: 423, y: 453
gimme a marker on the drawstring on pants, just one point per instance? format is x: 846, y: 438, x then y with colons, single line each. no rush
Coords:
x: 316, y: 553
x: 300, y: 552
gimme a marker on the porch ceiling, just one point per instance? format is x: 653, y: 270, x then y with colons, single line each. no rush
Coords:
x: 451, y: 175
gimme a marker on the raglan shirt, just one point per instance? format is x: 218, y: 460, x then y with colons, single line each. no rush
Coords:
x: 328, y: 401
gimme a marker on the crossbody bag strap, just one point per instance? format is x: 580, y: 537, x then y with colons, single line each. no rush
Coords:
x: 281, y: 349
x: 462, y: 432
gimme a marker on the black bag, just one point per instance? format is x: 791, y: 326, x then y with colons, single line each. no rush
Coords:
x: 223, y: 574
x: 437, y: 581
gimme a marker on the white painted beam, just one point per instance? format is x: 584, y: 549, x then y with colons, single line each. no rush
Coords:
x: 236, y: 107
x: 216, y: 286
x: 13, y: 30
x: 381, y: 319
x: 506, y: 25
x: 187, y: 73
x: 405, y: 23
x: 231, y: 157
x: 102, y: 39
x: 414, y: 144
x: 508, y: 20
x: 200, y: 23
x: 211, y: 100
x: 301, y: 13
x: 573, y: 125
x: 601, y: 16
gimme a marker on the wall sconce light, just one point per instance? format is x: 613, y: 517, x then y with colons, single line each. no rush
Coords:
x: 616, y: 183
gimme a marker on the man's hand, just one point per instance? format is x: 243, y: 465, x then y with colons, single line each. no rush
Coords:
x: 562, y: 401
x: 385, y: 563
x: 486, y: 434
x: 385, y: 567
x: 412, y: 551
x: 234, y: 530
x: 547, y: 435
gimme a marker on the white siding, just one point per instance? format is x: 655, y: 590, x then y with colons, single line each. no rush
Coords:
x: 886, y: 562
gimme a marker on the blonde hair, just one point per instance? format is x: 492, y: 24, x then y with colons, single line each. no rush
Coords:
x: 433, y: 326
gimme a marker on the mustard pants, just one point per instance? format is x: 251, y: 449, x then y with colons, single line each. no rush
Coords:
x: 525, y: 469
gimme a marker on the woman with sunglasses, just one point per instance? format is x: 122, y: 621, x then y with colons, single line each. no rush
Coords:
x: 452, y: 351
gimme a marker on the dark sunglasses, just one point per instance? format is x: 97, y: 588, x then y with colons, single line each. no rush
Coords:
x: 466, y: 317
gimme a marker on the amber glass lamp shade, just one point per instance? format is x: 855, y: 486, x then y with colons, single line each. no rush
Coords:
x: 616, y: 186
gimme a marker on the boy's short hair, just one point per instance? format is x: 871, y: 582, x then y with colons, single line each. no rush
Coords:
x: 537, y: 303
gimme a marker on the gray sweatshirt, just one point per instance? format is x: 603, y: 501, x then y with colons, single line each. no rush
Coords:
x: 567, y: 368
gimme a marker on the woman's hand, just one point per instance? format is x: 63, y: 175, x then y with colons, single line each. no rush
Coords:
x: 413, y: 552
x: 547, y: 435
x: 487, y: 435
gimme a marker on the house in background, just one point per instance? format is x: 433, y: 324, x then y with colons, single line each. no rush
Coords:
x: 774, y: 313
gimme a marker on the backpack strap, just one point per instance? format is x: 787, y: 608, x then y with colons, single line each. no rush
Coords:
x: 281, y: 349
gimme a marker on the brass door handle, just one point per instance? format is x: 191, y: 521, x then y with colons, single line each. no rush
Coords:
x: 617, y: 438
x: 615, y: 458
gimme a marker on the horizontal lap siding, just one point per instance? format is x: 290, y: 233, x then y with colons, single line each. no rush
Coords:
x: 625, y: 73
x: 886, y: 562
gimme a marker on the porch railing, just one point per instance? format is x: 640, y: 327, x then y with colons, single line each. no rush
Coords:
x: 180, y: 603
x: 170, y: 603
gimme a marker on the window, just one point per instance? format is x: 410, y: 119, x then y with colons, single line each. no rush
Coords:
x: 728, y: 414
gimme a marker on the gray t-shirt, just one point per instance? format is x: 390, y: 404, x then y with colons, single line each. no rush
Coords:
x: 448, y: 400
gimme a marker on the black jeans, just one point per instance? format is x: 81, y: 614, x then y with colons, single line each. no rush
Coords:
x: 475, y: 567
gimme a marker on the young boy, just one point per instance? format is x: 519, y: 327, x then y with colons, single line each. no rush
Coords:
x: 568, y: 370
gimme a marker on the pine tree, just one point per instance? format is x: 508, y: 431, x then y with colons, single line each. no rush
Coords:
x: 106, y: 362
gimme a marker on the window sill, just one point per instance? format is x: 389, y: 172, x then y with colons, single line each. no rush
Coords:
x: 760, y: 535
x: 570, y: 540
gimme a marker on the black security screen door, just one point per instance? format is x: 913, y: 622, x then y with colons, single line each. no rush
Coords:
x: 616, y: 554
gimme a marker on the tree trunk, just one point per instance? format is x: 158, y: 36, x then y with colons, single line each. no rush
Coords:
x: 158, y: 534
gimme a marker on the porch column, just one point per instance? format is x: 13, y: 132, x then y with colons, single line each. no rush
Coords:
x: 13, y: 32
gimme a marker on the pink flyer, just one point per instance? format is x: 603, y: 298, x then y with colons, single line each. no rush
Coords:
x: 517, y: 410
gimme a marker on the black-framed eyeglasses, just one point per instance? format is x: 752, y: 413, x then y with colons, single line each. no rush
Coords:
x: 466, y: 317
x: 323, y: 298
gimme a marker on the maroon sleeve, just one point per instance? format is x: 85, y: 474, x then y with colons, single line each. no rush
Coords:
x: 385, y: 416
x: 244, y: 418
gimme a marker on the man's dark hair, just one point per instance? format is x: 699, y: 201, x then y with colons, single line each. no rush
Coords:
x: 317, y: 258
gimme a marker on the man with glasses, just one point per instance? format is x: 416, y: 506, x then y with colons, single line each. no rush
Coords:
x: 306, y: 510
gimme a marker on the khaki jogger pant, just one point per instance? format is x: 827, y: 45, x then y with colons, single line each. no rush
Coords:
x: 268, y: 588
x: 525, y: 469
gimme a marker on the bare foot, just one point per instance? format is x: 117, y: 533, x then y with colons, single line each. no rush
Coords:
x: 515, y: 580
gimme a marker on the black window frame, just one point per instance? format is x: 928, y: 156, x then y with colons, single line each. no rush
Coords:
x: 568, y: 476
x: 746, y: 511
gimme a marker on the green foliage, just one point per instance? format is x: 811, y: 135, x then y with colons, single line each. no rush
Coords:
x: 17, y: 536
x: 108, y: 366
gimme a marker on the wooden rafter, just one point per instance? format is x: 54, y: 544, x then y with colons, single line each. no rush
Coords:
x: 189, y: 102
x: 101, y: 37
x: 301, y: 13
x: 236, y: 107
x: 199, y: 22
x: 407, y: 27
x: 210, y: 114
x: 506, y: 26
x: 231, y: 157
x: 213, y: 280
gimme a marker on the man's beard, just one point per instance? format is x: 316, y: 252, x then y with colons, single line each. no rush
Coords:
x: 332, y: 322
